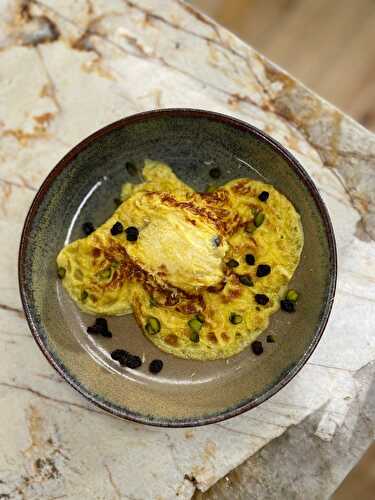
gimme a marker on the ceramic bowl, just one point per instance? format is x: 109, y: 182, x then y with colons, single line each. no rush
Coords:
x: 82, y: 188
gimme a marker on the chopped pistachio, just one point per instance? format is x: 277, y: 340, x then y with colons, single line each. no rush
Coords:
x: 250, y: 227
x: 235, y: 318
x: 259, y: 219
x: 105, y: 274
x: 153, y: 302
x: 292, y: 295
x: 195, y: 324
x: 153, y: 325
x: 61, y: 272
x: 194, y: 337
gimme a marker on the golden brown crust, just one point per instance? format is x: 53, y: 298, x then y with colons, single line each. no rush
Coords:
x: 217, y: 216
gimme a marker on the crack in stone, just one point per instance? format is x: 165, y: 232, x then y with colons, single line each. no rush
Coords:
x: 49, y: 398
x: 52, y: 377
x: 347, y: 370
x: 50, y: 90
x: 51, y: 9
x: 36, y: 29
x: 250, y: 417
x: 112, y: 482
x: 242, y: 433
x: 192, y: 479
x: 84, y: 43
x: 15, y: 310
x: 199, y: 16
x: 24, y: 184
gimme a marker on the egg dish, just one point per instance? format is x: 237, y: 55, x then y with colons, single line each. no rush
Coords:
x: 201, y: 272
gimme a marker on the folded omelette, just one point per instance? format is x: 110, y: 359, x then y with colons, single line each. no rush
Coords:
x: 201, y: 272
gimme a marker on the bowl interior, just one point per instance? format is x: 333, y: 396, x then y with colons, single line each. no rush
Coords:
x: 83, y: 187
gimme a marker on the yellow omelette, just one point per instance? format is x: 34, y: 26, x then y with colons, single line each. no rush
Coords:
x: 202, y: 272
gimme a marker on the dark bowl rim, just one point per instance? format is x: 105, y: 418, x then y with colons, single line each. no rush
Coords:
x: 293, y: 163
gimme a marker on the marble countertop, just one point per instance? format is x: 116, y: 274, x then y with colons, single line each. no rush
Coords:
x: 59, y: 61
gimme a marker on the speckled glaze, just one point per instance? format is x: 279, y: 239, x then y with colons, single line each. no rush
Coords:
x: 82, y: 188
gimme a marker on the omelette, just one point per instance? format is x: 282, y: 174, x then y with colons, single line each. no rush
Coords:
x: 201, y: 272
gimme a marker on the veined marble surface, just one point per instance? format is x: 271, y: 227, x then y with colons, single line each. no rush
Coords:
x: 69, y: 67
